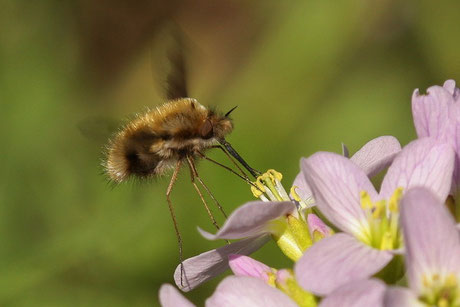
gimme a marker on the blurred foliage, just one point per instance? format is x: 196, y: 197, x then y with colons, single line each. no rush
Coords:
x: 306, y: 76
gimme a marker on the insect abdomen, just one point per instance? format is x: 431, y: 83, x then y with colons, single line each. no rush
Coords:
x: 141, y: 160
x: 134, y: 155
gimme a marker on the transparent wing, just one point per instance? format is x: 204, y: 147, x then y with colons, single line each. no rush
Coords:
x: 169, y: 64
x: 98, y: 128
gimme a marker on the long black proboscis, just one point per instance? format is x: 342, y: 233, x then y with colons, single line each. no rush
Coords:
x: 234, y: 154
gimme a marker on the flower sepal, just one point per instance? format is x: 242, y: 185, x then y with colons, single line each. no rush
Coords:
x: 292, y: 236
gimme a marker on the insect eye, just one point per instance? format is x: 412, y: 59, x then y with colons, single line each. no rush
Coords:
x: 206, y: 129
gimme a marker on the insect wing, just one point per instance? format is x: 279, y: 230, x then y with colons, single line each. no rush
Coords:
x: 169, y: 64
x: 98, y: 128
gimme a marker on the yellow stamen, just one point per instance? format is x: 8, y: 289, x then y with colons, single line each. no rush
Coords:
x: 267, y: 183
x: 294, y: 193
x: 440, y: 290
x: 259, y: 189
x: 393, y: 205
x: 272, y: 278
x: 366, y: 202
x: 257, y: 192
x: 451, y: 281
x: 383, y: 220
x: 275, y: 175
x: 380, y: 209
x: 426, y: 281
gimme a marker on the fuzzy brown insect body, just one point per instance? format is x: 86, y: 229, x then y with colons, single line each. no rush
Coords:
x: 154, y: 141
x: 170, y: 136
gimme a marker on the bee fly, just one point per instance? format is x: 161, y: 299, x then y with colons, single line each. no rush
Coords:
x: 176, y: 133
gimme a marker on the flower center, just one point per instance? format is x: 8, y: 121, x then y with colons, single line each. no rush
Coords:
x: 268, y: 187
x: 441, y: 291
x: 383, y: 219
x: 290, y: 232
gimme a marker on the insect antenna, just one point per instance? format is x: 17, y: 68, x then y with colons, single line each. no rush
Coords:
x: 231, y: 110
x: 173, y: 216
x: 234, y: 154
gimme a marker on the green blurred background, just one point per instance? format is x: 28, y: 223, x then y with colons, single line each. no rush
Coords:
x: 306, y: 76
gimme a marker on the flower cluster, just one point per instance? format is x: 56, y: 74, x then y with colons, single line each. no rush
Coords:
x: 351, y: 244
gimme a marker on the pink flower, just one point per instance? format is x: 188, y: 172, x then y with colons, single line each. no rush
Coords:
x: 280, y: 279
x: 205, y: 266
x: 253, y: 222
x: 246, y: 266
x: 437, y: 115
x: 245, y: 291
x: 238, y: 291
x: 171, y: 297
x: 374, y: 156
x: 369, y: 221
x: 432, y: 253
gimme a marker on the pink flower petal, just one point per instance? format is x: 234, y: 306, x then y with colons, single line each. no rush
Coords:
x: 363, y: 293
x: 246, y: 266
x: 316, y: 224
x: 283, y: 275
x: 454, y: 137
x: 430, y: 111
x: 251, y: 219
x: 431, y: 239
x: 438, y: 115
x: 208, y: 265
x: 377, y: 154
x: 171, y: 297
x: 336, y: 261
x: 449, y: 85
x: 423, y: 162
x: 373, y: 157
x: 244, y: 291
x: 401, y: 297
x: 336, y: 183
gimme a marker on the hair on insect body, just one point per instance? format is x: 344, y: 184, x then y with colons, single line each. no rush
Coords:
x: 174, y: 134
x: 153, y: 142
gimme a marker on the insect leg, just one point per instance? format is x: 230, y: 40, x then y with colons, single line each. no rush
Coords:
x: 194, y: 174
x: 173, y: 216
x: 224, y: 166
